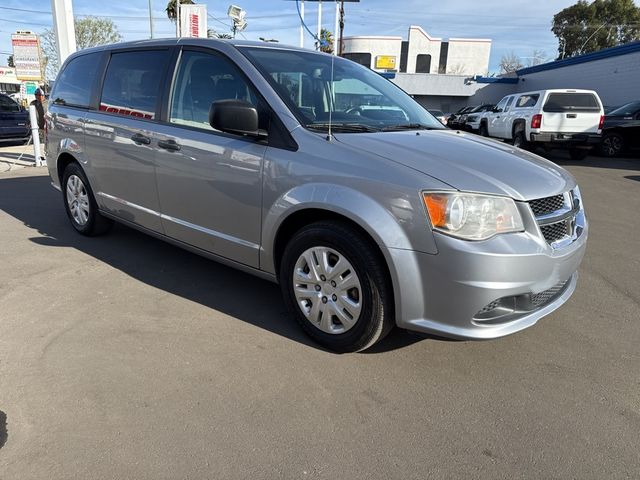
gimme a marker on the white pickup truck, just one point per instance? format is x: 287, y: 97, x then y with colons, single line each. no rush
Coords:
x: 550, y: 118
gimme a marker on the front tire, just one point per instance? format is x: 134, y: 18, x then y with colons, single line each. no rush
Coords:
x: 80, y: 203
x: 483, y: 132
x: 335, y: 284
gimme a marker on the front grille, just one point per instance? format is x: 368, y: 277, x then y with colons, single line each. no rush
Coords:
x: 539, y: 299
x: 555, y: 231
x: 545, y: 206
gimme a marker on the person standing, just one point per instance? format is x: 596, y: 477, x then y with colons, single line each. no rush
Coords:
x: 41, y: 109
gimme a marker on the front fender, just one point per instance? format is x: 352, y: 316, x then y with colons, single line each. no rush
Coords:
x: 389, y: 227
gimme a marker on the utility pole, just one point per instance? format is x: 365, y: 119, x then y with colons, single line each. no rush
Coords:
x: 64, y: 27
x: 151, y: 18
x: 318, y: 44
x: 341, y: 27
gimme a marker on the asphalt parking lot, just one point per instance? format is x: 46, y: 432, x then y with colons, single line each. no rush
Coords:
x: 125, y: 357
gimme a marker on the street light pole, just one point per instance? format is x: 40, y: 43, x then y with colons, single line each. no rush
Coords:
x: 150, y: 18
x: 64, y: 28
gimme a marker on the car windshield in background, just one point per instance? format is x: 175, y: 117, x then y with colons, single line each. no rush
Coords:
x: 320, y: 89
x: 570, y: 102
x: 626, y: 110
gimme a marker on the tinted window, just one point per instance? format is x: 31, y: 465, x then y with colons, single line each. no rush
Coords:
x: 201, y: 80
x: 527, y: 101
x: 508, y: 105
x: 568, y: 102
x: 75, y: 82
x: 626, y: 110
x: 361, y: 58
x: 8, y: 105
x: 132, y: 83
x: 423, y: 64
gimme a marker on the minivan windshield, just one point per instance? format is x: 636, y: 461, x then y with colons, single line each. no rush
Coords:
x: 319, y: 88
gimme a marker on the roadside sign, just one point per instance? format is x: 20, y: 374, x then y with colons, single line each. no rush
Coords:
x: 30, y: 88
x: 193, y: 21
x: 386, y: 62
x: 26, y: 56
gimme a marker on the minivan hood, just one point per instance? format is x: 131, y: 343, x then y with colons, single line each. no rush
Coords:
x: 467, y: 162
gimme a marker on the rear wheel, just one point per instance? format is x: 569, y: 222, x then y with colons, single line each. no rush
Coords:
x: 80, y: 203
x: 335, y: 284
x: 612, y: 145
x: 519, y: 139
x: 578, y: 153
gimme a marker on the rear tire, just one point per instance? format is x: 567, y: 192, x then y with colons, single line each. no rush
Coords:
x: 80, y: 203
x: 335, y: 285
x: 612, y: 145
x: 519, y: 140
x: 578, y: 153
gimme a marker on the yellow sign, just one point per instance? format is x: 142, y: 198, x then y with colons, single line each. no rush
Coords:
x: 386, y: 62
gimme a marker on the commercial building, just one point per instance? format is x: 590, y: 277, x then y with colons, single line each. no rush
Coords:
x: 420, y: 53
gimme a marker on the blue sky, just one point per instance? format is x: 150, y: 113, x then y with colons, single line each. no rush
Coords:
x: 521, y: 26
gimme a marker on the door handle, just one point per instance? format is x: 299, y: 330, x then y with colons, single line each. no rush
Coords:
x: 170, y: 145
x: 140, y: 139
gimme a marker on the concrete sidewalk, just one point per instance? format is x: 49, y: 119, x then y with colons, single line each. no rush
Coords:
x: 14, y: 155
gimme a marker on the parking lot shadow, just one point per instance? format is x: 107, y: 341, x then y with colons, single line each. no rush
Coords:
x: 161, y: 265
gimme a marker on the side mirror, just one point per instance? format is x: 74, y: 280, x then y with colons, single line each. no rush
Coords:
x: 235, y: 116
x: 496, y: 110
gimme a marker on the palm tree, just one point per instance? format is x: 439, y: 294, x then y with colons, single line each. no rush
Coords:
x: 172, y: 10
x: 326, y: 38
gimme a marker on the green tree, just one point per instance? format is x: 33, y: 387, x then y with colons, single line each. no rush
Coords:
x: 171, y: 8
x: 327, y: 39
x: 90, y: 32
x: 587, y: 27
x: 10, y: 61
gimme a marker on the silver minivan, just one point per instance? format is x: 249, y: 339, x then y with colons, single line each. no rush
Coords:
x: 317, y: 173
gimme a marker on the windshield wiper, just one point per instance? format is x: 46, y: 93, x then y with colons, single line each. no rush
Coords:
x: 408, y: 126
x: 343, y: 127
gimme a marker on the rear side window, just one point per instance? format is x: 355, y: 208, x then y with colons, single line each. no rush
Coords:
x: 74, y: 84
x: 570, y: 102
x: 527, y: 101
x: 132, y: 83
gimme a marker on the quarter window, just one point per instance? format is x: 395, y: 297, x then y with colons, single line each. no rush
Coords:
x: 132, y: 83
x: 74, y: 84
x: 202, y: 79
x: 527, y: 101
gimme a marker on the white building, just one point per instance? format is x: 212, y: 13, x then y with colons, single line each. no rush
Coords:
x: 421, y: 53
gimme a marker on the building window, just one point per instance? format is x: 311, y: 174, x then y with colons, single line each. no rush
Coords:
x: 361, y: 58
x: 423, y: 64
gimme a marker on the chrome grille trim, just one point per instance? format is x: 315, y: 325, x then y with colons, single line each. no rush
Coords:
x: 556, y: 217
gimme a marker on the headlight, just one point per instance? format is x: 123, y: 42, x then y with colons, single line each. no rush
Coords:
x: 471, y: 216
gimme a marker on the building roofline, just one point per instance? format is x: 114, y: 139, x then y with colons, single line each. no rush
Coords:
x: 423, y: 31
x: 589, y: 57
x: 372, y: 37
x: 485, y: 40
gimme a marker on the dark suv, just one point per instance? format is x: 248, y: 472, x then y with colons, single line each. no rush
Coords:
x: 14, y: 120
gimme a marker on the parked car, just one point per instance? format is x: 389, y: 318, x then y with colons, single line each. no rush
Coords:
x: 570, y: 119
x: 621, y: 130
x: 442, y: 118
x: 454, y: 120
x: 472, y: 121
x: 14, y: 120
x: 230, y: 150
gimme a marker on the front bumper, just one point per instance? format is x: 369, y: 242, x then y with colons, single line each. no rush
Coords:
x: 568, y: 139
x: 444, y: 294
